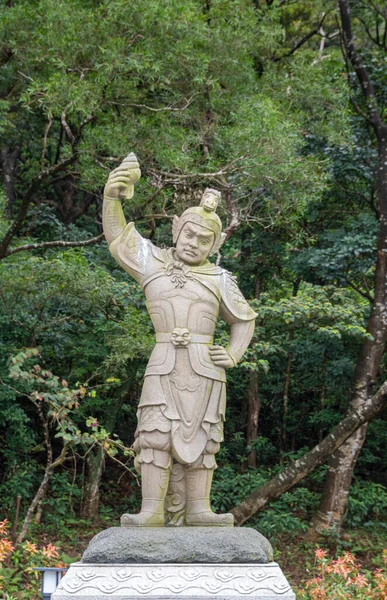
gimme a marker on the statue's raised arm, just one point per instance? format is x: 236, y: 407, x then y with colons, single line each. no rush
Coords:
x: 120, y: 186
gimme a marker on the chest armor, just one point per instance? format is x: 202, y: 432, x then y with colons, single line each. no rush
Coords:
x: 184, y: 315
x: 192, y: 306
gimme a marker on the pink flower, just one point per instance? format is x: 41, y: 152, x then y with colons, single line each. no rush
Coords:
x: 31, y: 548
x: 4, y: 526
x: 320, y: 553
x: 5, y: 548
x: 318, y: 594
x: 344, y: 565
x: 360, y: 580
x: 50, y: 551
x: 349, y: 559
x: 314, y: 581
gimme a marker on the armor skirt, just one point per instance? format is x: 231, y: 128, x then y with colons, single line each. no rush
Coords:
x: 180, y: 417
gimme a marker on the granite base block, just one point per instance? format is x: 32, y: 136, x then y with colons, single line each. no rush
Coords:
x: 178, y: 545
x: 228, y: 581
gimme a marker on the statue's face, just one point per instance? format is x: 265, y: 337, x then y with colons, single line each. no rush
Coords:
x: 194, y: 244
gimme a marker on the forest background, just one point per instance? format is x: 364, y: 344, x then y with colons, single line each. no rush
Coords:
x: 282, y: 105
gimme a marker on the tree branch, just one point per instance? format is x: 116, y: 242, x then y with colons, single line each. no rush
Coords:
x: 303, y: 40
x: 55, y: 244
x: 229, y: 168
x: 165, y: 108
x: 361, y: 72
x: 366, y: 295
x: 65, y: 125
x: 46, y: 130
x: 378, y: 11
x: 375, y: 40
x: 61, y: 458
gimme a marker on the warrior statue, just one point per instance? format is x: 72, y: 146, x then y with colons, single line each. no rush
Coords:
x: 182, y: 406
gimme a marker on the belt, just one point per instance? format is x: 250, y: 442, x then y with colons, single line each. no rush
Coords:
x: 178, y: 339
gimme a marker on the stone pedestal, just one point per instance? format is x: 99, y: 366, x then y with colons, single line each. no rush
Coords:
x: 170, y: 581
x: 167, y: 563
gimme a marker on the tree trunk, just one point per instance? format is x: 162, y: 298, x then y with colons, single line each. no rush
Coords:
x: 285, y: 395
x: 254, y: 401
x: 95, y: 462
x: 68, y: 209
x: 16, y: 521
x: 253, y: 416
x: 312, y: 459
x: 39, y: 505
x: 38, y: 498
x: 285, y: 399
x: 342, y: 463
x: 50, y: 466
x: 322, y: 391
x: 338, y: 481
x: 8, y: 164
x: 42, y: 491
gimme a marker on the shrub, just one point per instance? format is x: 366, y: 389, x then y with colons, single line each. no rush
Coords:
x: 16, y: 566
x: 367, y: 503
x: 342, y: 578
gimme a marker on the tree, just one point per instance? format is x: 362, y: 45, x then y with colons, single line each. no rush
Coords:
x: 342, y: 462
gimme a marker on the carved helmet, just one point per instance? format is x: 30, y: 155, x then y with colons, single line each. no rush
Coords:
x: 204, y: 215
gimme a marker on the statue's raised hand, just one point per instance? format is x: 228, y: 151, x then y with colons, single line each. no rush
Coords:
x: 122, y: 179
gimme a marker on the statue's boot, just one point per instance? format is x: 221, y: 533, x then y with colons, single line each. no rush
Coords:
x: 198, y: 511
x: 154, y: 484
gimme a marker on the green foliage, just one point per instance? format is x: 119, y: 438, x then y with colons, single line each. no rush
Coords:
x: 63, y: 500
x: 289, y: 514
x: 367, y: 504
x: 229, y: 487
x: 344, y: 255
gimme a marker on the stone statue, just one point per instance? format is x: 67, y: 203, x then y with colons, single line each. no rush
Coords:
x: 182, y: 406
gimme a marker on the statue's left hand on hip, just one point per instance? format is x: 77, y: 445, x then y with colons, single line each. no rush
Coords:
x: 220, y: 357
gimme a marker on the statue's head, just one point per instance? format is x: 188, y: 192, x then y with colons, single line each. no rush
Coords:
x: 198, y: 232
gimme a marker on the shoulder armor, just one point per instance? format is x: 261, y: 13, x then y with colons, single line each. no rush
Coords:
x: 233, y: 298
x: 132, y: 249
x: 160, y: 254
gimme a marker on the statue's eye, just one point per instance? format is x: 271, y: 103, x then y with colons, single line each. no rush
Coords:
x: 188, y: 234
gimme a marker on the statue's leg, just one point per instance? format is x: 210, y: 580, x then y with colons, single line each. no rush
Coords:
x: 198, y: 478
x: 154, y: 482
x: 155, y: 462
x: 198, y: 509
